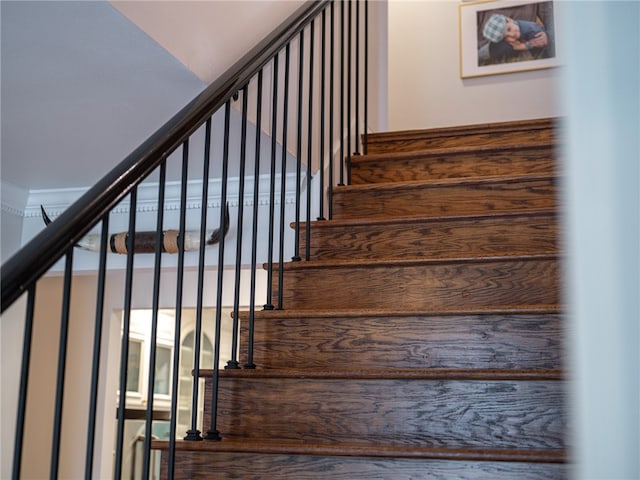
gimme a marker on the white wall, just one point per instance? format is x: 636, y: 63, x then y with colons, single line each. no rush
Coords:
x: 192, y: 31
x: 425, y: 88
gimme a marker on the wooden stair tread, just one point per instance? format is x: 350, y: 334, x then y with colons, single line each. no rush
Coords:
x: 354, y: 222
x: 446, y: 182
x: 392, y: 374
x: 450, y: 151
x: 452, y: 311
x: 518, y: 125
x: 389, y: 451
x: 341, y: 263
x: 453, y: 136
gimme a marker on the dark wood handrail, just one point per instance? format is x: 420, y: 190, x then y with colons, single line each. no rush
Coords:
x: 46, y: 248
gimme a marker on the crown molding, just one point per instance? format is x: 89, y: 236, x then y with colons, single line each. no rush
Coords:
x: 56, y: 201
x: 14, y: 199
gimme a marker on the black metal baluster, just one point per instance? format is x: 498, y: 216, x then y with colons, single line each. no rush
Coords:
x: 154, y: 320
x: 309, y: 141
x: 272, y: 185
x: 97, y: 342
x: 212, y: 433
x: 178, y: 320
x: 342, y: 109
x: 62, y: 364
x: 366, y: 77
x: 193, y: 434
x: 126, y: 324
x: 283, y: 176
x: 349, y: 86
x: 233, y: 362
x: 357, y: 82
x: 296, y: 255
x: 322, y: 111
x: 254, y: 229
x: 24, y: 381
x: 331, y: 112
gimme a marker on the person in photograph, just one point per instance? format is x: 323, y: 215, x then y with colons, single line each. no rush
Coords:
x: 515, y: 34
x: 508, y: 37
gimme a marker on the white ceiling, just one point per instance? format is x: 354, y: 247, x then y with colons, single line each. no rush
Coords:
x: 83, y: 86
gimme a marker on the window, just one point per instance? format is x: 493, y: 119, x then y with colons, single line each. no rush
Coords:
x: 162, y: 384
x: 133, y: 366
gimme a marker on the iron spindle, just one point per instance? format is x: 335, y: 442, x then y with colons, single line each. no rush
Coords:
x: 296, y: 255
x: 178, y: 309
x: 212, y: 433
x: 349, y: 87
x: 193, y: 434
x: 322, y: 112
x: 342, y: 109
x: 97, y: 342
x: 155, y: 301
x: 309, y: 141
x: 254, y: 230
x: 24, y: 381
x: 233, y: 362
x: 331, y: 114
x: 126, y: 325
x: 283, y: 177
x: 272, y: 184
x: 357, y: 81
x: 366, y: 77
x: 62, y: 364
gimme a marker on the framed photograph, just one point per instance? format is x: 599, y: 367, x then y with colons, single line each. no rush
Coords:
x: 506, y: 36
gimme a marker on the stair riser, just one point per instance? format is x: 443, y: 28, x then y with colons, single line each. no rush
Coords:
x: 406, y: 168
x: 442, y: 239
x: 412, y: 200
x: 427, y: 413
x: 448, y: 342
x: 249, y: 466
x: 415, y: 287
x: 421, y: 140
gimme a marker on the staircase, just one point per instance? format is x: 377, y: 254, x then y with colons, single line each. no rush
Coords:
x: 424, y: 337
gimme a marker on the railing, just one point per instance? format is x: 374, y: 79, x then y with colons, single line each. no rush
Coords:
x: 302, y: 100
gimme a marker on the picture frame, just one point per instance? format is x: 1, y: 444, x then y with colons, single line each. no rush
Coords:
x: 488, y: 46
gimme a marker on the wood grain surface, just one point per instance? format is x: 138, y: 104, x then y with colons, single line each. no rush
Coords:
x: 530, y: 158
x: 441, y: 237
x: 445, y: 197
x: 253, y: 466
x: 427, y: 413
x: 491, y: 340
x: 502, y: 281
x: 503, y: 133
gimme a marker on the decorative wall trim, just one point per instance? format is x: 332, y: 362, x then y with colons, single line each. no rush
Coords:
x: 10, y: 210
x: 56, y: 201
x: 14, y: 199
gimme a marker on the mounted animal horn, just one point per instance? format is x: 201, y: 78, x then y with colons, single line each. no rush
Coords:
x: 145, y: 242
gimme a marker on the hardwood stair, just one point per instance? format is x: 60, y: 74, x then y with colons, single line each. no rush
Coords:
x: 522, y: 338
x: 450, y: 236
x: 423, y: 338
x: 467, y: 196
x: 459, y: 162
x: 475, y: 135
